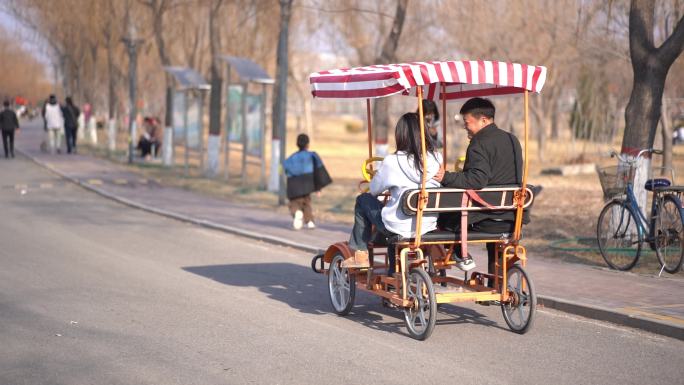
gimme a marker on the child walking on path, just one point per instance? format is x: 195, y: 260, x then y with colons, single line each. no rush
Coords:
x: 305, y: 174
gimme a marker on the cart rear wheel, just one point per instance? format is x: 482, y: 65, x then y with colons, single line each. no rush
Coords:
x: 341, y: 286
x: 520, y: 309
x: 420, y: 316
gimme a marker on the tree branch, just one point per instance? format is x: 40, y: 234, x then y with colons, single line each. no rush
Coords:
x: 673, y: 46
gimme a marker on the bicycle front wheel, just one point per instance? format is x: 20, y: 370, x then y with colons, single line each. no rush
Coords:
x: 669, y: 234
x: 618, y: 236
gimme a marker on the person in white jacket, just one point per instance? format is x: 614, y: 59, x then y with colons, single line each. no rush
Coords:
x: 398, y: 172
x: 54, y: 121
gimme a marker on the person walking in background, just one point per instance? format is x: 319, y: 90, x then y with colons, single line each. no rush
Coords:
x: 70, y: 113
x: 54, y: 121
x: 89, y: 124
x: 305, y: 174
x: 8, y: 125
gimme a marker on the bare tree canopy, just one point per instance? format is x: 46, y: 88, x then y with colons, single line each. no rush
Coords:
x: 595, y: 51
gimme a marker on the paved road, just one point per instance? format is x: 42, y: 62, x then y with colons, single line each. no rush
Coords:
x: 92, y: 292
x: 642, y: 300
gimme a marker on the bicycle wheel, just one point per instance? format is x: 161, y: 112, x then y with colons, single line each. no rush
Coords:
x: 519, y: 311
x: 421, y: 315
x: 669, y: 234
x: 618, y: 236
x: 341, y: 286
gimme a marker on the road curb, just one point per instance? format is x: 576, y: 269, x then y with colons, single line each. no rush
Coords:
x: 181, y: 217
x: 614, y: 316
x: 584, y: 310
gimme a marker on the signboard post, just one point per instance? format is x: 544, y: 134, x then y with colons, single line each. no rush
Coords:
x: 188, y: 102
x: 246, y: 115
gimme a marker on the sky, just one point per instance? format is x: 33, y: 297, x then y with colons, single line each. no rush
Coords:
x: 30, y: 40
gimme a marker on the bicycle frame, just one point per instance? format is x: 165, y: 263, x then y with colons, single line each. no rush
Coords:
x: 646, y: 226
x: 642, y: 222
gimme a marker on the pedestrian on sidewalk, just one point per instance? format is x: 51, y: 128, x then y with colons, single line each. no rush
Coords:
x: 8, y: 125
x: 55, y: 124
x: 149, y: 142
x: 71, y: 113
x: 305, y: 174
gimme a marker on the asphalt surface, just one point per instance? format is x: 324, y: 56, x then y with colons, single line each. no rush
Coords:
x: 93, y: 292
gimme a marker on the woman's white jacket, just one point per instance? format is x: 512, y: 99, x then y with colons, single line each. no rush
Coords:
x: 398, y: 174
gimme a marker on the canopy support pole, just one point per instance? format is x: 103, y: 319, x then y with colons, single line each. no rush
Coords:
x: 370, y: 129
x: 422, y: 198
x: 444, y: 123
x: 520, y: 195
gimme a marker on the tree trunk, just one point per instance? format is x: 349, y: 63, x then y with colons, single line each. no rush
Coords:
x: 216, y: 81
x: 111, y: 86
x: 667, y: 141
x: 381, y: 123
x: 158, y: 9
x: 66, y: 75
x: 214, y: 140
x: 650, y: 66
x: 279, y: 115
x: 555, y: 112
x: 643, y: 110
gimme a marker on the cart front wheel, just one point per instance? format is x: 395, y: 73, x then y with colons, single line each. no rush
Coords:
x: 421, y: 315
x: 341, y: 286
x: 522, y: 302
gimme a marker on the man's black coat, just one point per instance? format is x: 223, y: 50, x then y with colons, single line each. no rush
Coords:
x: 8, y: 120
x: 493, y: 158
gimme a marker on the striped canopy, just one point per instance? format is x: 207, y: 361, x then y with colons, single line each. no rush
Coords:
x: 462, y: 79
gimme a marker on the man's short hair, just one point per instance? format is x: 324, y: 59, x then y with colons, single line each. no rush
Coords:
x: 478, y: 107
x: 6, y: 103
x: 302, y: 141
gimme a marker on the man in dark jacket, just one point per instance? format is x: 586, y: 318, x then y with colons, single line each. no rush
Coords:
x: 493, y: 157
x: 71, y: 113
x: 8, y: 124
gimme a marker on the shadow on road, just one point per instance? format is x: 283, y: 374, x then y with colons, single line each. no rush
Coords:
x: 307, y: 292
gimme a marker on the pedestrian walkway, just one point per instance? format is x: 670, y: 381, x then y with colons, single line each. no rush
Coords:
x: 648, y: 302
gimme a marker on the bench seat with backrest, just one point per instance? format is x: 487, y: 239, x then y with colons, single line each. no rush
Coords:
x: 445, y: 200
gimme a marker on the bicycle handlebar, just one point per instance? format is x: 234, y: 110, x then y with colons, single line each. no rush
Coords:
x: 623, y: 158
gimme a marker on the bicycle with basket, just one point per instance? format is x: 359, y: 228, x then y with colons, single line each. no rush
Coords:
x: 623, y: 227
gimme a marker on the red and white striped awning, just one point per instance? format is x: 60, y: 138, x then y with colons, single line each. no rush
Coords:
x: 462, y: 79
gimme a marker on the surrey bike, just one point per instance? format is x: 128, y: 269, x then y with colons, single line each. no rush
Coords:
x: 419, y: 281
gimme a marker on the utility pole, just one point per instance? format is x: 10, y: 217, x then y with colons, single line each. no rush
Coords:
x: 132, y: 44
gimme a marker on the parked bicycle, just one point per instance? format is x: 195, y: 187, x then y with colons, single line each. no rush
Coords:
x: 623, y: 227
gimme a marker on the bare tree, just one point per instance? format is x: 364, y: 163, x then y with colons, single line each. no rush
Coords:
x: 650, y: 67
x: 279, y: 116
x: 158, y: 9
x: 381, y: 119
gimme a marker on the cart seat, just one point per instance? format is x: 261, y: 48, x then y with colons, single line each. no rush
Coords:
x: 438, y: 236
x: 443, y: 235
x: 442, y: 200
